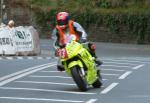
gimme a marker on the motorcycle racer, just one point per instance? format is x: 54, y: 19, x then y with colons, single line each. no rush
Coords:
x: 66, y: 27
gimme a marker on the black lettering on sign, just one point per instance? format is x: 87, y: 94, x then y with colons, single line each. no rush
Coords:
x: 0, y: 41
x: 20, y: 35
x: 5, y: 41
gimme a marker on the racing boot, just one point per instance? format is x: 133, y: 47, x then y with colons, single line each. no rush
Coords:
x: 98, y: 62
x: 60, y: 68
x: 92, y: 50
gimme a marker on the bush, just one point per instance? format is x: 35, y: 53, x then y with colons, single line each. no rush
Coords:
x: 117, y: 18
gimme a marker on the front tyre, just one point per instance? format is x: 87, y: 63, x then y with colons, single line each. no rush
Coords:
x: 77, y: 76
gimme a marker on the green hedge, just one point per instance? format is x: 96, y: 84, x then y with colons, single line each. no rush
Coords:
x: 131, y: 18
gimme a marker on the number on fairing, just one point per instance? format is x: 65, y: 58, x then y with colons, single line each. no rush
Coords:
x: 63, y: 53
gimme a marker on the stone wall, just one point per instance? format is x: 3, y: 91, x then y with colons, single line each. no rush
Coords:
x: 20, y: 12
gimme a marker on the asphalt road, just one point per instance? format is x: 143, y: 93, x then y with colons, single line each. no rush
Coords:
x: 125, y: 74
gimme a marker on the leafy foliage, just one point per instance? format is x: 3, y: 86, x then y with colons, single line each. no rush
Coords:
x: 133, y: 16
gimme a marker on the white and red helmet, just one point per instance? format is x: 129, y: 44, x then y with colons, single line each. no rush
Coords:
x: 62, y: 19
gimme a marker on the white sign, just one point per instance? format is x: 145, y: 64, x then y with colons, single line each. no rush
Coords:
x: 6, y: 42
x: 19, y: 40
x: 1, y: 49
x: 23, y: 39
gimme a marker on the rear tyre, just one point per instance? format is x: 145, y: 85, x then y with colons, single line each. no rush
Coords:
x: 77, y: 76
x: 98, y: 83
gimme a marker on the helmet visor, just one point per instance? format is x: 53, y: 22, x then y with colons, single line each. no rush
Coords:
x: 62, y: 22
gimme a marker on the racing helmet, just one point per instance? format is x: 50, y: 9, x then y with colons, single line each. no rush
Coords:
x: 62, y: 19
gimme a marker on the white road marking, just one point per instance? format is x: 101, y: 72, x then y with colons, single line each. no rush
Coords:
x: 109, y: 88
x: 128, y: 61
x: 110, y: 74
x: 118, y: 63
x: 39, y: 57
x: 137, y: 67
x: 51, y: 71
x: 9, y: 58
x: 45, y: 83
x: 25, y: 74
x: 91, y: 101
x: 104, y: 79
x: 140, y: 96
x: 39, y: 76
x: 143, y: 59
x: 19, y: 57
x: 42, y: 99
x: 48, y: 58
x: 22, y: 71
x: 116, y: 66
x: 30, y: 58
x: 118, y: 70
x: 125, y: 75
x: 47, y: 90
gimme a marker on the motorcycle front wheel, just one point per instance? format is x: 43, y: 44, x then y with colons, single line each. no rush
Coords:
x: 79, y: 80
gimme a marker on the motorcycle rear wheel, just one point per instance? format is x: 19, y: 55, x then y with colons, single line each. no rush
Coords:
x: 97, y: 83
x: 76, y: 74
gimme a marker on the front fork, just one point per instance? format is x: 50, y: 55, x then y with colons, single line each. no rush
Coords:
x: 90, y: 75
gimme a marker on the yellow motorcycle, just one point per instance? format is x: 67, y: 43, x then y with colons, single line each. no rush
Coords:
x: 80, y: 65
